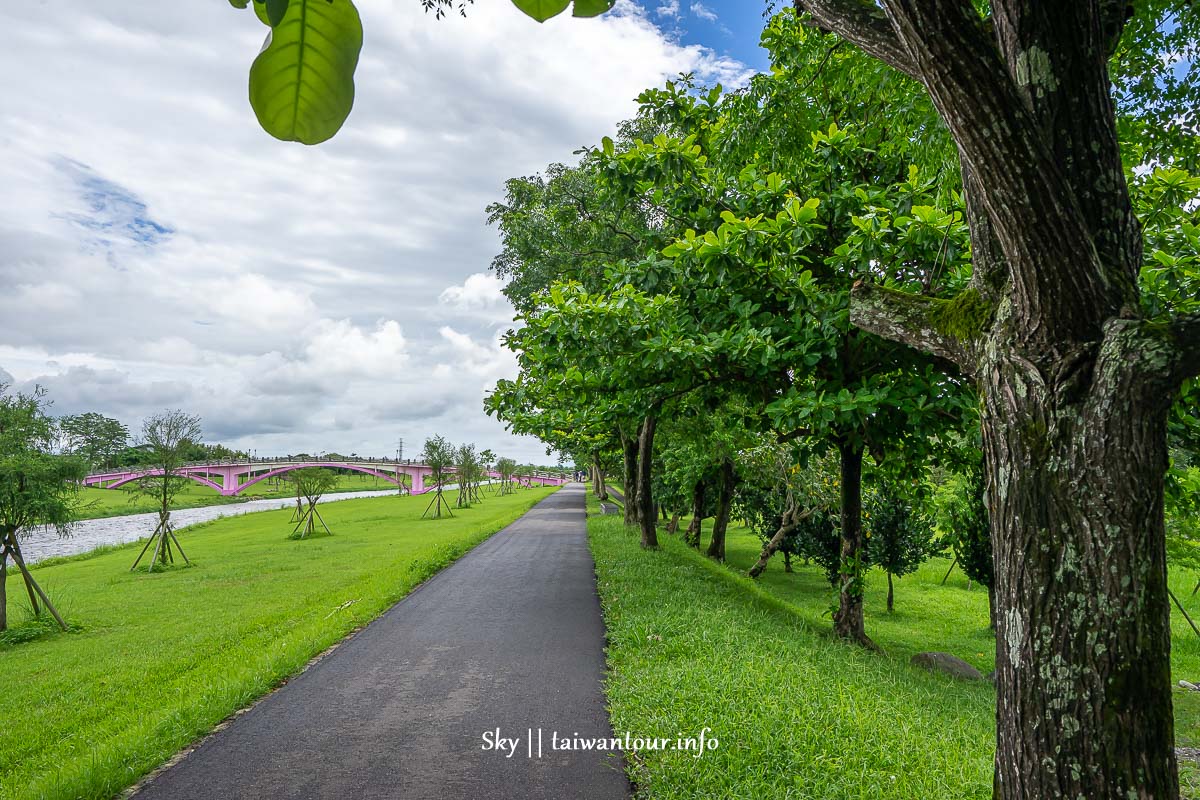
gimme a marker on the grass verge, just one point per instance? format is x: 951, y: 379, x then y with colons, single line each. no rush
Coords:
x: 159, y: 659
x: 696, y: 644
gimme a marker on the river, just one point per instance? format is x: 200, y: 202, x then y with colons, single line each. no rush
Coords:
x: 88, y: 534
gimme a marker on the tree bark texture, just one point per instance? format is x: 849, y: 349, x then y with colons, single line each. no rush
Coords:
x: 3, y: 588
x: 629, y: 454
x: 848, y: 619
x: 696, y: 526
x: 645, y: 494
x: 792, y: 517
x: 1075, y: 384
x: 716, y: 546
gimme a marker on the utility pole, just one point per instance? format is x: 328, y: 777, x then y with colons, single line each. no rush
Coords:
x: 399, y: 457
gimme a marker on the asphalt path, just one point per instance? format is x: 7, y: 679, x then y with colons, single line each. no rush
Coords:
x: 508, y: 637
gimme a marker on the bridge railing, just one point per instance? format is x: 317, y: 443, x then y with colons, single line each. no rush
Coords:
x: 303, y: 457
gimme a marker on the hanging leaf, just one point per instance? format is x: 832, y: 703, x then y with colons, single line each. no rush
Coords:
x: 276, y: 10
x: 302, y: 83
x: 591, y: 8
x: 239, y: 3
x: 542, y: 10
x: 260, y: 9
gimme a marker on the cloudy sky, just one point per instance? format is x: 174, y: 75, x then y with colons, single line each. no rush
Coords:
x: 158, y: 250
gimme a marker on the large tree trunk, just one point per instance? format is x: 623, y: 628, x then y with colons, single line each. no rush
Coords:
x: 716, y: 547
x: 992, y: 606
x: 848, y: 619
x: 645, y: 495
x: 629, y: 451
x: 599, y: 488
x: 1075, y: 489
x: 696, y: 526
x: 1075, y: 384
x: 3, y: 588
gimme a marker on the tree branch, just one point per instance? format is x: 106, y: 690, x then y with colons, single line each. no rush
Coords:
x: 1062, y: 290
x: 864, y: 24
x: 791, y: 436
x: 910, y: 319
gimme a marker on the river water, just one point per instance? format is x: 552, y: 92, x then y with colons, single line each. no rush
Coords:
x: 91, y: 533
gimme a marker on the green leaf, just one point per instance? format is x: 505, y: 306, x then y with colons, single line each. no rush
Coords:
x: 260, y: 10
x: 302, y: 83
x: 239, y: 3
x: 608, y: 146
x: 276, y: 10
x: 591, y: 8
x: 542, y: 10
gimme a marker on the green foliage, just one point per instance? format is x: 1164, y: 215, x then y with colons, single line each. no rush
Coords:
x: 1183, y: 516
x: 95, y: 438
x: 542, y: 10
x: 168, y: 438
x: 900, y: 532
x: 1156, y: 82
x: 302, y: 83
x: 438, y: 454
x: 1168, y: 203
x: 963, y: 521
x: 37, y: 487
x: 507, y: 469
x: 818, y: 539
x: 312, y: 482
x: 468, y: 472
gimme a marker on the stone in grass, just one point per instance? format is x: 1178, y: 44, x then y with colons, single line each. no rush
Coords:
x: 951, y: 665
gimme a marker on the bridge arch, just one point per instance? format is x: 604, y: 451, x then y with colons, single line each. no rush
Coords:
x: 197, y: 478
x: 389, y: 477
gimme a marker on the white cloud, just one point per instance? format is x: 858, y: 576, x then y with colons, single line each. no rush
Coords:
x: 480, y: 294
x: 157, y: 248
x: 668, y: 8
x: 489, y: 359
x: 704, y: 12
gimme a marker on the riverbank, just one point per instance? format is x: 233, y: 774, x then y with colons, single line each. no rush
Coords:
x: 43, y: 544
x: 93, y: 503
x: 157, y: 660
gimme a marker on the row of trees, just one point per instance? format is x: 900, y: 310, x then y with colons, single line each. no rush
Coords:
x: 470, y: 470
x: 880, y: 263
x: 105, y: 443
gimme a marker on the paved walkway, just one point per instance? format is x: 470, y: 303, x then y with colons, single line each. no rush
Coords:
x: 508, y: 637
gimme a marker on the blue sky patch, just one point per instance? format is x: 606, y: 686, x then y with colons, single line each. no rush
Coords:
x: 729, y: 27
x: 110, y: 213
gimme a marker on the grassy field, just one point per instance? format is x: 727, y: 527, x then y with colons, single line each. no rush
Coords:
x: 696, y: 644
x: 159, y: 659
x: 94, y: 503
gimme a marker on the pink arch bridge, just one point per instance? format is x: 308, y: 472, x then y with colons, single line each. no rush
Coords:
x: 231, y: 479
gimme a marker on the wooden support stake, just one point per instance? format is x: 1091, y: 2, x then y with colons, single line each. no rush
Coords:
x: 20, y: 562
x: 1181, y: 611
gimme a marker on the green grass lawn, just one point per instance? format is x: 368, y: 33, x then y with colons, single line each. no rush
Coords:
x: 93, y: 503
x: 159, y: 659
x: 695, y: 644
